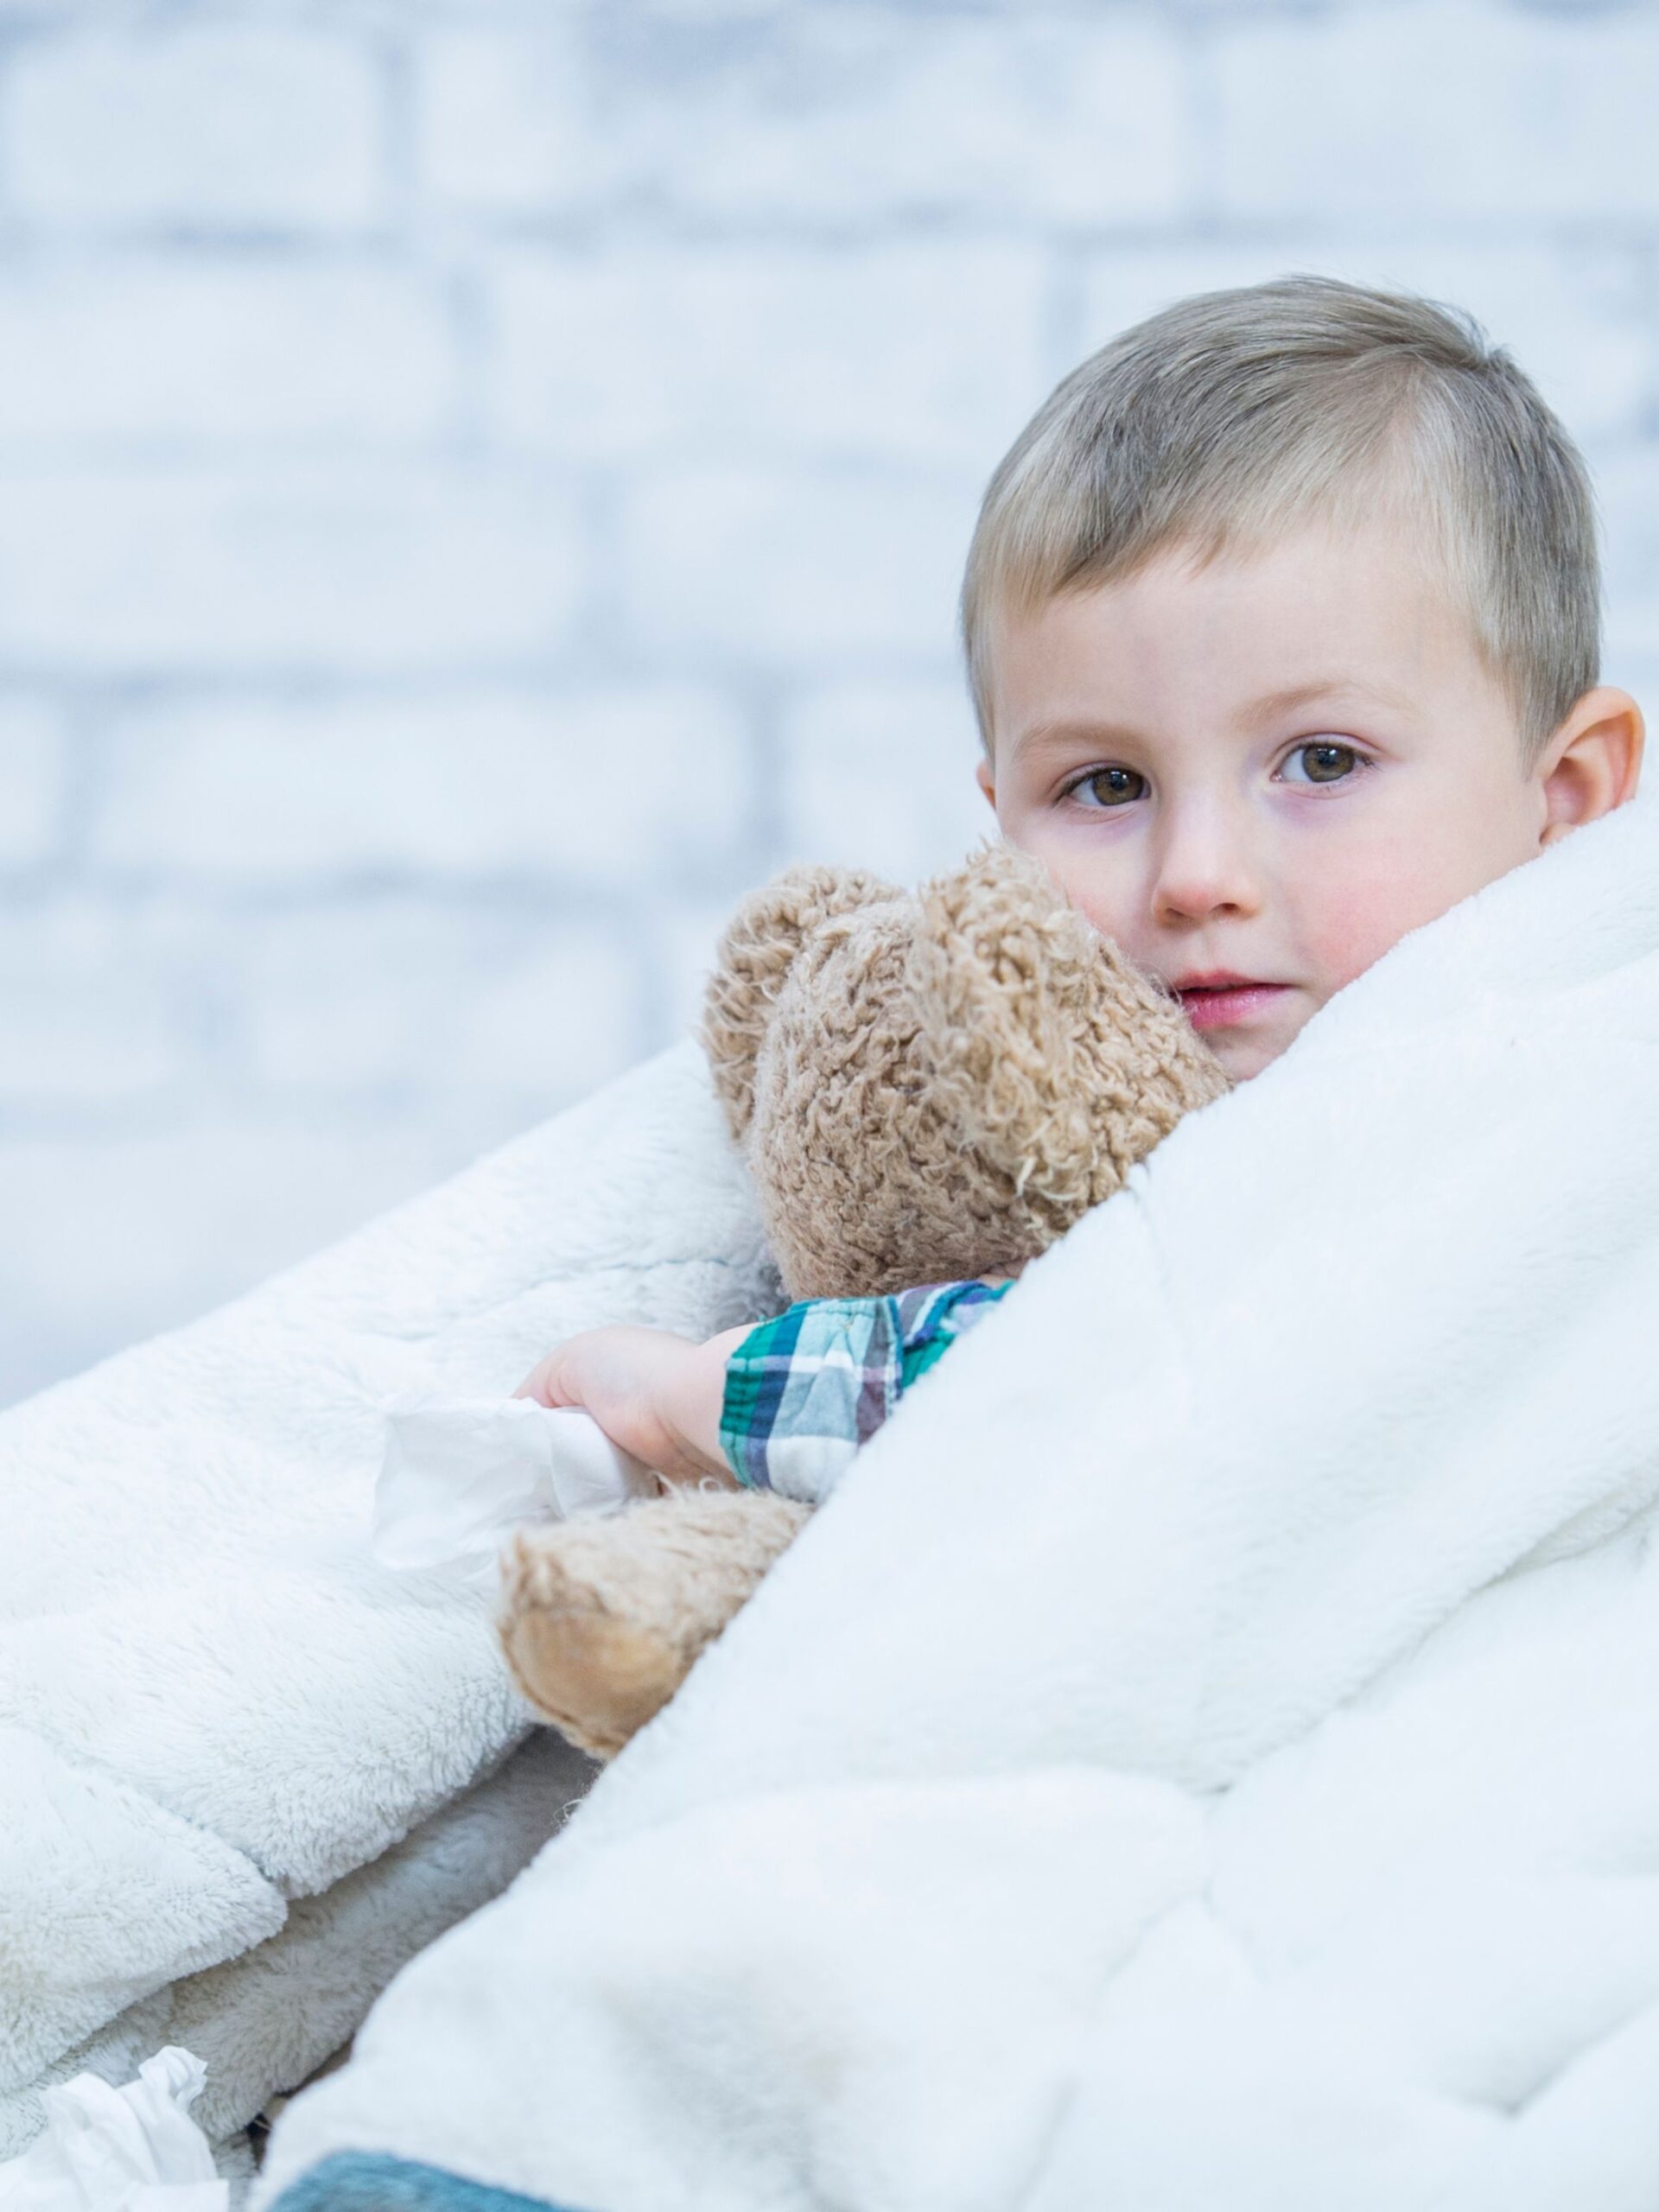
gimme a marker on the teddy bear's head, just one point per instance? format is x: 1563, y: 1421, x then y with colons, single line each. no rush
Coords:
x: 934, y: 1084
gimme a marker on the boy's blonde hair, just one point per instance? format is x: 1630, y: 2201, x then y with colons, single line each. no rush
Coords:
x: 1231, y: 416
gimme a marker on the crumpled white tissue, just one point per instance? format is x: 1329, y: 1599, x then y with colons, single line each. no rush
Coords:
x: 460, y: 1474
x: 130, y: 2150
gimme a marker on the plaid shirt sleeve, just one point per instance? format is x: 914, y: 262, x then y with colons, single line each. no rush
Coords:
x: 804, y: 1391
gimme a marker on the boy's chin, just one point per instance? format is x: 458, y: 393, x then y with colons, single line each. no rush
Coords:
x: 1245, y: 1052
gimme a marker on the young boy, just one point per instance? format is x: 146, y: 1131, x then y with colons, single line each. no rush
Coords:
x: 1283, y: 627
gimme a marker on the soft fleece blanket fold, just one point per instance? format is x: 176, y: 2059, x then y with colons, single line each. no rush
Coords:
x: 212, y: 1703
x: 1206, y: 1756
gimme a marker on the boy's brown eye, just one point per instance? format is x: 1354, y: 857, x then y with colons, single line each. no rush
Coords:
x: 1323, y: 763
x: 1114, y: 787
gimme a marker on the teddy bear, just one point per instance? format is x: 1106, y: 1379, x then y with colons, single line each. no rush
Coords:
x: 925, y: 1086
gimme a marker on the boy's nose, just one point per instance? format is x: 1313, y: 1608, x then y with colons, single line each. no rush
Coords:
x: 1203, y: 868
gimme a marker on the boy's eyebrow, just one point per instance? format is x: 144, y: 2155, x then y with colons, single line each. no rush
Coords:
x: 1295, y: 696
x: 1083, y: 729
x: 1056, y: 735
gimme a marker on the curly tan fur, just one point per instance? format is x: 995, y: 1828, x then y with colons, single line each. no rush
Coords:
x: 757, y: 952
x: 925, y: 1086
x: 602, y: 1618
x: 940, y: 1084
x: 1056, y: 1059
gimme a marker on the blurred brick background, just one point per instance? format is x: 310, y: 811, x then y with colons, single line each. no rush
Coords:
x: 482, y: 485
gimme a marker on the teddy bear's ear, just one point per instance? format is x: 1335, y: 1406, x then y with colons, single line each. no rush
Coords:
x: 756, y: 954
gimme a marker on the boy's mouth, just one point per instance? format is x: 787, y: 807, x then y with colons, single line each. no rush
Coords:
x: 1222, y: 999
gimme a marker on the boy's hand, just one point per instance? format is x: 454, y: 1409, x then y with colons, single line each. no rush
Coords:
x: 657, y: 1395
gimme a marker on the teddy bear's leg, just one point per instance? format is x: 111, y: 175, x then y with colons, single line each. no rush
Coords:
x: 602, y: 1617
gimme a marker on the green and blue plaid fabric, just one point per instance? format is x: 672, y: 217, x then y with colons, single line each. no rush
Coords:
x: 804, y: 1391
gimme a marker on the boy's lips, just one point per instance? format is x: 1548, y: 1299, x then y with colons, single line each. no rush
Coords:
x: 1221, y: 999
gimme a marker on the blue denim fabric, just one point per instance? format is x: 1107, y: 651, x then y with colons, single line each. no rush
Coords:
x: 365, y: 2180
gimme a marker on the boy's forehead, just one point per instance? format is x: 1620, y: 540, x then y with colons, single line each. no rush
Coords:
x: 1322, y: 616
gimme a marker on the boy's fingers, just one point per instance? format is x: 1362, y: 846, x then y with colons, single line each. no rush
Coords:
x: 535, y: 1384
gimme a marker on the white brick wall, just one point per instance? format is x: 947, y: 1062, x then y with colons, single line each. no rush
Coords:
x: 481, y: 486
x: 220, y: 125
x: 840, y: 742
x: 507, y: 120
x: 33, y: 790
x: 908, y: 354
x: 384, y: 1000
x: 791, y: 568
x: 1439, y: 111
x: 357, y: 567
x: 143, y: 349
x: 572, y: 787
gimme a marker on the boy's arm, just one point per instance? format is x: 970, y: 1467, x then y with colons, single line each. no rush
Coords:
x: 804, y: 1391
x: 781, y: 1406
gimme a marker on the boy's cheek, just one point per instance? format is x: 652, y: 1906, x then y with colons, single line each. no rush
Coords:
x: 1350, y: 934
x: 1360, y: 912
x: 1346, y: 929
x: 1107, y: 888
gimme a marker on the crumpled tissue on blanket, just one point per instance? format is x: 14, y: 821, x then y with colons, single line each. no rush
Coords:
x: 460, y: 1474
x: 135, y: 2149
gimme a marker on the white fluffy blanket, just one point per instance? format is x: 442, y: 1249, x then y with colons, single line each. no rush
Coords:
x: 212, y: 1703
x: 1206, y: 1756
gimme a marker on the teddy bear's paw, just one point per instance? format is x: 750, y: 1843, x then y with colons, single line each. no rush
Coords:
x: 602, y: 1618
x: 596, y: 1675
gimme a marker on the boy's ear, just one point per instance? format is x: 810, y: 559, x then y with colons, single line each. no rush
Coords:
x: 759, y: 947
x: 1593, y: 762
x: 985, y: 777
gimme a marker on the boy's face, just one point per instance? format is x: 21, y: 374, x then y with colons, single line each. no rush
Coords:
x: 1257, y: 774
